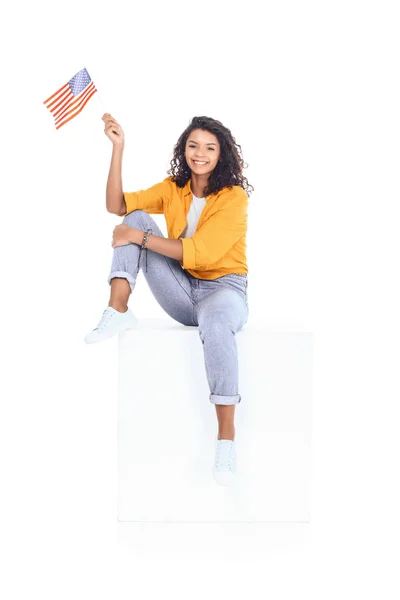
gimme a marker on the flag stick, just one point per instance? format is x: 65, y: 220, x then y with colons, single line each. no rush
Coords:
x: 101, y: 102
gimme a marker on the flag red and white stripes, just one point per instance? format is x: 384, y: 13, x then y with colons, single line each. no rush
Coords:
x: 67, y: 102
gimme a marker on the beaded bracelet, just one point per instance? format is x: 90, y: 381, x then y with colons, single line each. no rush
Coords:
x: 145, y: 239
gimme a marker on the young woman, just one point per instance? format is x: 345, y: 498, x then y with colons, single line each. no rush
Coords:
x: 198, y: 274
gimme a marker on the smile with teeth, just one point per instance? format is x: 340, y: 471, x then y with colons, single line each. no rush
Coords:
x: 200, y: 162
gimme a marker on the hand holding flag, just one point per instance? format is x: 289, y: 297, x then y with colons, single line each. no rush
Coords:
x: 113, y: 130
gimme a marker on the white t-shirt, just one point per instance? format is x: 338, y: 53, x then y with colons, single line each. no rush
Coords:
x: 193, y: 217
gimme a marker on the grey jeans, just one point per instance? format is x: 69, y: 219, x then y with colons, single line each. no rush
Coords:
x: 219, y: 307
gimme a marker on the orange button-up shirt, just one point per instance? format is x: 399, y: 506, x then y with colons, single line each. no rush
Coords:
x: 218, y: 246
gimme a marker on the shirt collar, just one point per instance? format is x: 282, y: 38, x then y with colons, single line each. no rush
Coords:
x: 187, y: 190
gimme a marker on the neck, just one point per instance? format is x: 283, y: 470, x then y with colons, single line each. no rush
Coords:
x: 198, y: 184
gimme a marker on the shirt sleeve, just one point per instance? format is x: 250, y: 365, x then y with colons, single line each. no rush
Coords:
x: 150, y: 200
x: 217, y: 235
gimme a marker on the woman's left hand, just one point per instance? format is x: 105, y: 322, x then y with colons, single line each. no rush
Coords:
x: 122, y: 235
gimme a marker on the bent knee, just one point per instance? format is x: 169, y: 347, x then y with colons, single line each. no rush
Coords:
x: 135, y: 214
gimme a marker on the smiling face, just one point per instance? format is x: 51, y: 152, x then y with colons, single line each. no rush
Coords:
x: 202, y: 146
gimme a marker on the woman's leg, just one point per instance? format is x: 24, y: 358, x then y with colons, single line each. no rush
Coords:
x: 221, y: 314
x: 167, y: 280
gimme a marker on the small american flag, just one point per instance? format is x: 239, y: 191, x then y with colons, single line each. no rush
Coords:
x: 71, y: 98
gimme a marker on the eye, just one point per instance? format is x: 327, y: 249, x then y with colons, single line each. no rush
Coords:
x: 192, y: 146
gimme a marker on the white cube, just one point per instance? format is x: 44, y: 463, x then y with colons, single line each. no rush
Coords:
x: 167, y: 427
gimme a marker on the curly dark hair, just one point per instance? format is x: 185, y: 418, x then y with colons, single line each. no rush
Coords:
x: 228, y: 171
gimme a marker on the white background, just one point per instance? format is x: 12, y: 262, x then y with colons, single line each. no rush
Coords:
x: 310, y: 91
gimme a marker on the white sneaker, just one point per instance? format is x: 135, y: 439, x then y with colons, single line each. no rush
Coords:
x: 111, y: 323
x: 224, y: 469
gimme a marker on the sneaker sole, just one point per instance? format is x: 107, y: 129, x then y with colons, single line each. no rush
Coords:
x: 104, y: 336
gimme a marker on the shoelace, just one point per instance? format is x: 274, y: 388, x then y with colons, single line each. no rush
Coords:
x: 107, y: 314
x: 225, y: 455
x: 140, y: 252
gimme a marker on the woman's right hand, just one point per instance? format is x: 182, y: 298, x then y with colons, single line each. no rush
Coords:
x: 113, y: 130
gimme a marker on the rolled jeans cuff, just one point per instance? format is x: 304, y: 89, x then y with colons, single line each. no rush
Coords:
x: 216, y: 399
x: 125, y: 275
